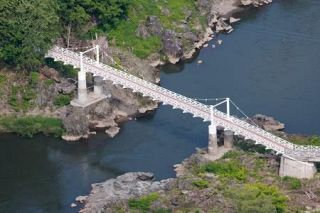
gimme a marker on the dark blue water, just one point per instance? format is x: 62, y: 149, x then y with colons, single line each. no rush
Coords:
x: 269, y: 65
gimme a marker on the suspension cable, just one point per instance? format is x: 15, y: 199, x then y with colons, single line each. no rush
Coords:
x: 241, y: 111
x: 209, y: 99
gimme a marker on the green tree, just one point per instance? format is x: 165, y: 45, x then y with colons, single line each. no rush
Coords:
x: 27, y: 30
x: 76, y: 15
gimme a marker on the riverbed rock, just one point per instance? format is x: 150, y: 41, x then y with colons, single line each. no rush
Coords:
x: 81, y: 199
x: 122, y: 188
x: 113, y: 131
x: 268, y: 123
x: 255, y: 3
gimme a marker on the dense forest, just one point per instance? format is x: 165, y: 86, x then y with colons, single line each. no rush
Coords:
x: 29, y: 28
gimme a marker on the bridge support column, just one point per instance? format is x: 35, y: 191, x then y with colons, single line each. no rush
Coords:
x: 98, y: 86
x: 213, y: 140
x: 298, y: 169
x: 228, y: 139
x: 82, y: 87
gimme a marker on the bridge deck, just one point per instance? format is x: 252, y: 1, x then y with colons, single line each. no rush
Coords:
x: 197, y: 109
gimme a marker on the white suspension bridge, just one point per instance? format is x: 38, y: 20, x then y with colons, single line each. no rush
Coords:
x: 296, y: 153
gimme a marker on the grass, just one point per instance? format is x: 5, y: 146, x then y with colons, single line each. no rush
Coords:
x: 29, y: 126
x: 201, y: 184
x: 21, y: 97
x: 313, y: 140
x: 124, y: 35
x: 258, y: 197
x: 230, y: 169
x: 143, y: 204
x: 3, y: 79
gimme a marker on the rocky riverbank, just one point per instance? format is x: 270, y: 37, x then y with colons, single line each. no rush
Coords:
x: 202, y: 185
x: 176, y: 46
x: 238, y: 182
x: 49, y: 97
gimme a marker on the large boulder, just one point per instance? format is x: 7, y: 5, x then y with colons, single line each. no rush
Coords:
x: 122, y: 188
x: 268, y: 123
x: 142, y: 31
x: 154, y: 25
x: 171, y: 46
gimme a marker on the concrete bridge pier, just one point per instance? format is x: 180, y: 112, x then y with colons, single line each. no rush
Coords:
x: 228, y: 139
x: 213, y: 139
x: 82, y: 87
x: 298, y: 169
x: 98, y: 86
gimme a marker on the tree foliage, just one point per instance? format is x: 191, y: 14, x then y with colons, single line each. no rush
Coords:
x: 27, y: 31
x: 103, y: 13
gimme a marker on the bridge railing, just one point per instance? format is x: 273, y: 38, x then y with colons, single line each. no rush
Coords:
x: 186, y: 104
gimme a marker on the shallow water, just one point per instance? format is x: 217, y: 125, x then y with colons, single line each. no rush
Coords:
x: 270, y: 64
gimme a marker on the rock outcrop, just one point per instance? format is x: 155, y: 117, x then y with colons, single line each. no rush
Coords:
x: 255, y: 3
x: 267, y: 123
x: 122, y: 188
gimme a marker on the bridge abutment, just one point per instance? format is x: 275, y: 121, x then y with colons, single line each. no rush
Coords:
x: 298, y: 169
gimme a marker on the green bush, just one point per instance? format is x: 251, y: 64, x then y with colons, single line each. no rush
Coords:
x: 31, y: 125
x: 231, y: 169
x: 258, y: 197
x: 65, y: 70
x: 62, y: 100
x: 34, y: 78
x: 143, y: 204
x: 201, y: 184
x: 294, y: 183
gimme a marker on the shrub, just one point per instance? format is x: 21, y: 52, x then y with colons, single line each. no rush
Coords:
x: 65, y: 70
x: 144, y: 202
x: 201, y: 184
x: 294, y: 183
x: 231, y: 169
x: 258, y: 197
x: 34, y: 78
x: 62, y: 100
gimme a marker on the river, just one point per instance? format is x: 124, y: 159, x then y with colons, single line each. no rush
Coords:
x: 270, y: 64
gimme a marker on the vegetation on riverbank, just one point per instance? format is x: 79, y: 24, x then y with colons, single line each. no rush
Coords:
x: 170, y: 13
x: 306, y: 140
x: 28, y: 126
x: 240, y: 181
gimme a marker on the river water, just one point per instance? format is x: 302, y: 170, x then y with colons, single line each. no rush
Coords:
x: 270, y: 64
